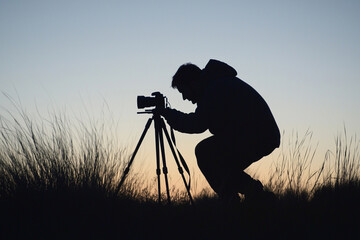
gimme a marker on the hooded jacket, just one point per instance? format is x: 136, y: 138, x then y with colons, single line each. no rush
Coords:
x: 230, y: 109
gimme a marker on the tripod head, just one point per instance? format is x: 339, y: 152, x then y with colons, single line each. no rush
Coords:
x: 147, y: 111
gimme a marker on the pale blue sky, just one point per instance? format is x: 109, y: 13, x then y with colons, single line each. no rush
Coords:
x: 302, y: 56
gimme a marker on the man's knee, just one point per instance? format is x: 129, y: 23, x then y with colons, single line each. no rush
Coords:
x: 199, y: 153
x: 205, y: 148
x: 203, y: 152
x: 199, y: 150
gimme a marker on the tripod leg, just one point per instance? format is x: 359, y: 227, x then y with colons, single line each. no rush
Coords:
x: 158, y: 171
x: 127, y: 169
x: 158, y: 129
x: 163, y: 126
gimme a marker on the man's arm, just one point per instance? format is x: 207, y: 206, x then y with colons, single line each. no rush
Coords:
x: 185, y: 122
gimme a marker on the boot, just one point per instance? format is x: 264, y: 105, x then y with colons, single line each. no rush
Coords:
x: 257, y: 193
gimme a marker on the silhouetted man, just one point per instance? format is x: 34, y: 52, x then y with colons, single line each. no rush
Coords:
x: 243, y: 127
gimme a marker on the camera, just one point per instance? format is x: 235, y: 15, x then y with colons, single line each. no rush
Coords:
x: 157, y: 101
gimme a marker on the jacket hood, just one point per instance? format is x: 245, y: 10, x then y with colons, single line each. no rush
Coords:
x: 216, y: 69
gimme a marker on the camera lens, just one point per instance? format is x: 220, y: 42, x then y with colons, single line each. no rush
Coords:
x: 144, y: 102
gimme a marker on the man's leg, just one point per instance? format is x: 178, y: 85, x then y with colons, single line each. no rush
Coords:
x: 223, y: 169
x: 208, y: 154
x: 211, y: 155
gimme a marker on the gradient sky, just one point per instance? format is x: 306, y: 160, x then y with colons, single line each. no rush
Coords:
x: 83, y: 57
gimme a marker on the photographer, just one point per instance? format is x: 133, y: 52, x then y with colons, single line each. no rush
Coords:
x: 243, y: 127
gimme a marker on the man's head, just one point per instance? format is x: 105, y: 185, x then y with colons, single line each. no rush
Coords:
x: 187, y: 80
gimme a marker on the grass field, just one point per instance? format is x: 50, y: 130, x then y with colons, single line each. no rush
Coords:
x: 59, y: 184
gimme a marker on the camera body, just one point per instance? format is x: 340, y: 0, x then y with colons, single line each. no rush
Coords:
x: 157, y: 101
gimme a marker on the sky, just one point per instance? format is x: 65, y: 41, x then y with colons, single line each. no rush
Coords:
x: 93, y: 58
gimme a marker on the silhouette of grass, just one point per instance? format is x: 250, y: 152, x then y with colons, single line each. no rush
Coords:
x: 60, y: 183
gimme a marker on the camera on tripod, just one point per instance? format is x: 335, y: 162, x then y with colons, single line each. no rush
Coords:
x: 158, y: 101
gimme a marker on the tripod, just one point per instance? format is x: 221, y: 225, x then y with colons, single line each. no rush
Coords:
x: 160, y: 127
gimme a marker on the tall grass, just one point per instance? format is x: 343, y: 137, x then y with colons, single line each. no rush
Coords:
x: 52, y: 155
x: 57, y: 177
x: 295, y: 171
x: 347, y: 161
